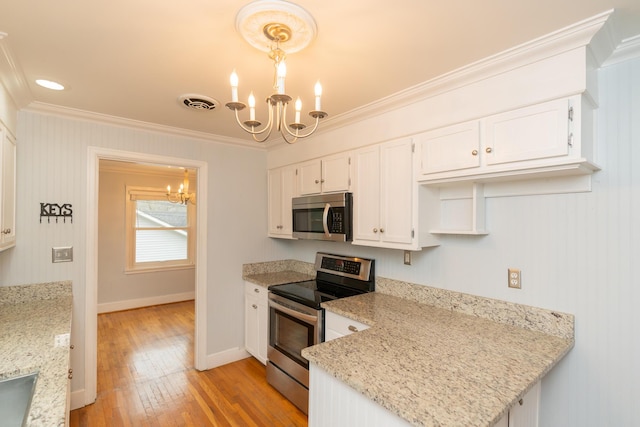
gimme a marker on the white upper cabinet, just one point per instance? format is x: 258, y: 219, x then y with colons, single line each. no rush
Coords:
x: 282, y: 188
x: 327, y: 175
x: 385, y: 197
x: 552, y: 138
x: 7, y: 190
x: 451, y: 148
x: 531, y: 133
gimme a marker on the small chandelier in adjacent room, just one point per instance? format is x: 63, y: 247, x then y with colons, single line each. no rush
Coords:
x: 182, y: 195
x: 268, y: 25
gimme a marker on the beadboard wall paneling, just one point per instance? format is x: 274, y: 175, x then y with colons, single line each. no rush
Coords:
x: 52, y: 167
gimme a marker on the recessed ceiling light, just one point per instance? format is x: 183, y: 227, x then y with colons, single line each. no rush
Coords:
x: 49, y: 84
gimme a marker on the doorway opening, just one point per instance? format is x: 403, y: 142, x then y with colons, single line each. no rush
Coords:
x: 95, y: 154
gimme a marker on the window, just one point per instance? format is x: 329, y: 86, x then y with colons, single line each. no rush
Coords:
x: 159, y: 233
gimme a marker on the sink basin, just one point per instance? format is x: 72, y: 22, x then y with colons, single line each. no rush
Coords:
x: 15, y: 399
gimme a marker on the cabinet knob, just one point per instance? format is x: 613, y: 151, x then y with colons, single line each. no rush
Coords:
x: 353, y: 328
x: 521, y: 402
x: 382, y: 230
x: 70, y: 376
x: 317, y: 181
x: 488, y: 150
x: 6, y: 231
x: 256, y: 290
x: 474, y: 153
x: 375, y: 230
x: 322, y: 181
x: 72, y: 346
x: 254, y: 306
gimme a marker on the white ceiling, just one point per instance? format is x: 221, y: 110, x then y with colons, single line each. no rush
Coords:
x: 133, y: 59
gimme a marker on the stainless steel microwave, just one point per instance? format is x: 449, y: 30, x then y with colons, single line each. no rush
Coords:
x: 323, y: 217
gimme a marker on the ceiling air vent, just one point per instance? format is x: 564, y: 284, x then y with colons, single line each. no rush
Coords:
x: 198, y: 102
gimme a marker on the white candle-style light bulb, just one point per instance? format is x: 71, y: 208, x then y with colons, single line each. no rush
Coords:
x: 234, y: 86
x: 298, y: 109
x: 318, y: 91
x: 281, y: 74
x: 252, y: 107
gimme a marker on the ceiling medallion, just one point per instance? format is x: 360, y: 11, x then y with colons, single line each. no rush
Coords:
x: 273, y: 26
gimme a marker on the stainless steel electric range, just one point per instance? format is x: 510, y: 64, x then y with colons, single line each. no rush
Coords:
x: 296, y: 318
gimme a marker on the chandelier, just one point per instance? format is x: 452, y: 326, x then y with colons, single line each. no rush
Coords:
x: 269, y: 23
x: 182, y: 195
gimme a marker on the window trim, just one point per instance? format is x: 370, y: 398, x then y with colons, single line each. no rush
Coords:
x: 134, y: 193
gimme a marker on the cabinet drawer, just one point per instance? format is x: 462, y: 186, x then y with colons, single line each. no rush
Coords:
x: 337, y: 326
x: 256, y: 291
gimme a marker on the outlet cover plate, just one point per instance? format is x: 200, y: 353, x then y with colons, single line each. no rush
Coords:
x: 62, y: 254
x: 514, y: 278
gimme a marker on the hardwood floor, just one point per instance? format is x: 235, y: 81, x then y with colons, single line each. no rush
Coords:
x: 146, y: 378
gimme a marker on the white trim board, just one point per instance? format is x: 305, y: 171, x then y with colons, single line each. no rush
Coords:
x: 109, y: 307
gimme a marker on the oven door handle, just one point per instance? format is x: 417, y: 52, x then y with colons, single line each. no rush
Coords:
x: 294, y: 313
x: 325, y: 219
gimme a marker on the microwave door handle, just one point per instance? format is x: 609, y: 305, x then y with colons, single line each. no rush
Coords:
x: 325, y: 219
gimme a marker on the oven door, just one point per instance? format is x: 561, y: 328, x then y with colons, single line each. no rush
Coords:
x: 292, y: 327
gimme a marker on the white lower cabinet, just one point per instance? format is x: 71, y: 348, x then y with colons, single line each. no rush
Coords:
x: 336, y: 326
x: 525, y: 413
x: 256, y: 321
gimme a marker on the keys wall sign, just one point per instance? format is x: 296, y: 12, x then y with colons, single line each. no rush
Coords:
x: 57, y: 211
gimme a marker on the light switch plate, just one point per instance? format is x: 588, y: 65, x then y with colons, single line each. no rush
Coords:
x: 62, y: 254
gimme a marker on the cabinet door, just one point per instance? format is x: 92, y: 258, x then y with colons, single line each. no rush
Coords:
x: 310, y: 177
x: 287, y: 192
x: 281, y: 188
x: 256, y: 320
x: 251, y: 324
x: 525, y: 414
x: 366, y: 195
x: 7, y: 191
x: 396, y: 192
x: 451, y: 148
x: 336, y: 173
x: 530, y: 133
x: 275, y: 198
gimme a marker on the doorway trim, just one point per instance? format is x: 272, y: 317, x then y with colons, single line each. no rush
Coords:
x: 95, y: 154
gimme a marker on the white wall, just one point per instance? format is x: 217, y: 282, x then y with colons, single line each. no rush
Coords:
x: 117, y: 290
x: 576, y: 253
x: 52, y: 167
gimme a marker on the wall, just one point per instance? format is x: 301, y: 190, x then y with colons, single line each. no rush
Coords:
x: 576, y: 253
x: 117, y: 290
x: 52, y: 167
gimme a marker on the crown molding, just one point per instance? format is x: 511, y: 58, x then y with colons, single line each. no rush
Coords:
x: 578, y: 35
x: 73, y: 113
x: 628, y: 49
x: 12, y: 76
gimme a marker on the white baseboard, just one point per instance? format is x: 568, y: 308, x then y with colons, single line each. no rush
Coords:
x: 77, y: 399
x: 144, y: 302
x: 226, y: 356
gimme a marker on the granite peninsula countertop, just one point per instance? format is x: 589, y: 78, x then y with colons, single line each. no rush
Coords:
x: 437, y: 366
x: 35, y: 327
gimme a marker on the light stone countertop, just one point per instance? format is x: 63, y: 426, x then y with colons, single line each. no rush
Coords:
x: 266, y: 274
x: 440, y: 367
x: 35, y: 327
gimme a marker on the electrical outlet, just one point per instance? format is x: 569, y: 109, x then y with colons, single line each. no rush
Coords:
x: 407, y: 257
x: 514, y: 278
x: 64, y: 254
